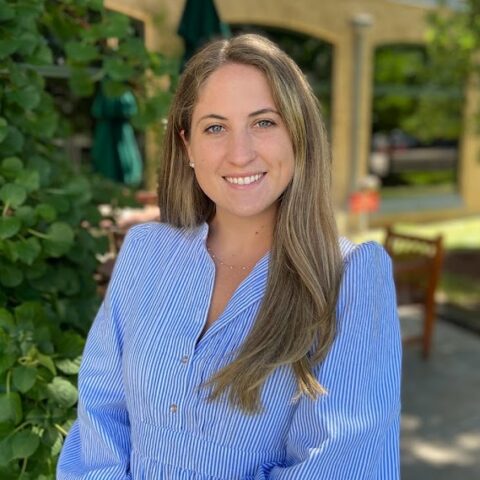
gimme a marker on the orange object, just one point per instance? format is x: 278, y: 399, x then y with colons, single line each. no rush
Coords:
x: 368, y: 201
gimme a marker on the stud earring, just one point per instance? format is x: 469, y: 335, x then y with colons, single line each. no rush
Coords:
x: 191, y: 164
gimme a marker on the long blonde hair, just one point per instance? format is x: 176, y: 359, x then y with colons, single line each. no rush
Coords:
x: 295, y: 324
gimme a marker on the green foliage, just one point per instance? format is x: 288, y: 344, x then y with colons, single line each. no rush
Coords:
x: 453, y: 41
x: 410, y: 94
x: 49, y: 220
x: 426, y: 85
x: 397, y: 83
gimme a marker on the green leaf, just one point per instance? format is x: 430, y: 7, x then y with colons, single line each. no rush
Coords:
x: 26, y: 214
x: 11, y: 276
x: 6, y: 454
x: 24, y: 444
x: 10, y: 407
x: 68, y: 280
x: 42, y: 55
x: 42, y: 166
x: 57, y: 445
x: 24, y: 378
x: 6, y: 12
x: 9, y: 249
x: 29, y: 179
x: 11, y: 166
x: 68, y: 366
x: 62, y: 392
x: 46, y: 211
x: 59, y: 203
x: 134, y: 49
x: 81, y: 53
x: 29, y: 10
x: 114, y: 89
x: 49, y: 436
x: 3, y: 129
x: 28, y: 250
x: 13, y: 142
x: 47, y: 362
x: 118, y: 70
x: 27, y: 97
x: 30, y: 312
x: 6, y: 319
x: 116, y: 25
x: 7, y: 360
x: 46, y: 122
x: 3, y: 297
x: 81, y: 83
x: 60, y: 239
x: 9, y: 226
x: 96, y: 5
x: 13, y: 194
x: 36, y: 415
x: 18, y: 75
x: 28, y: 42
x: 7, y: 47
x: 36, y: 271
x: 70, y: 345
x: 77, y: 186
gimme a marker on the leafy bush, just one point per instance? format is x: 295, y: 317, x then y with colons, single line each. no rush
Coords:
x: 49, y: 216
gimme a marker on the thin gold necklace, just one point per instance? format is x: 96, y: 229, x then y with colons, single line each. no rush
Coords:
x: 231, y: 267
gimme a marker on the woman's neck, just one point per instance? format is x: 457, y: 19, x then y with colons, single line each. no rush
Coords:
x: 241, y: 240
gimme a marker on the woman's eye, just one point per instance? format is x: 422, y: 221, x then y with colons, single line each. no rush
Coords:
x: 214, y: 129
x: 265, y: 123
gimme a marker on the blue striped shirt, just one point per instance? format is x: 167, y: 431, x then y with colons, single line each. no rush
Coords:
x: 141, y: 414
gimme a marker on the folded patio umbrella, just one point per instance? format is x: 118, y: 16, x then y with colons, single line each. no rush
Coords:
x: 115, y: 152
x: 199, y: 24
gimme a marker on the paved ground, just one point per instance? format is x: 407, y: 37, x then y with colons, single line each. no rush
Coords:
x: 441, y: 406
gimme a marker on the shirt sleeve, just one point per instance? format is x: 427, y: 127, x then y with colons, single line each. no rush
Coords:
x: 98, y: 443
x: 352, y: 432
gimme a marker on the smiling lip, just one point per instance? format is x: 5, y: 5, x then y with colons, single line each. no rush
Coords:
x: 244, y: 180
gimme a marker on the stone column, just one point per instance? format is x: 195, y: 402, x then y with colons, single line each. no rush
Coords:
x: 361, y: 98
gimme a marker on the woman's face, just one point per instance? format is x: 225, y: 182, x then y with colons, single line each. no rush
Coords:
x: 239, y: 144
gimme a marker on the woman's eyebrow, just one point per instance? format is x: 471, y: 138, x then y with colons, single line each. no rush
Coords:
x: 262, y: 111
x: 212, y: 115
x: 253, y: 114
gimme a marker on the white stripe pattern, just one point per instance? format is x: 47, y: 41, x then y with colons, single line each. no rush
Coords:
x: 142, y: 416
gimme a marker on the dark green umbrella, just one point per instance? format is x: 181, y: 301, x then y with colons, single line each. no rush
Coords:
x: 115, y: 151
x: 200, y: 23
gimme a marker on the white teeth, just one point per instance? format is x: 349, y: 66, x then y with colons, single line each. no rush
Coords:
x: 244, y: 180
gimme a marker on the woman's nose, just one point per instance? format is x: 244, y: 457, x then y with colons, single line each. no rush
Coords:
x: 241, y: 148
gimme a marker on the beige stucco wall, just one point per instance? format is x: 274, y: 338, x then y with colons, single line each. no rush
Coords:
x: 469, y: 175
x: 330, y: 20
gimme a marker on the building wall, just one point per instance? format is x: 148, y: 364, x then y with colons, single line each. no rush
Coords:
x: 331, y: 20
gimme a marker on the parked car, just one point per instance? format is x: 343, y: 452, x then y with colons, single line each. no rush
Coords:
x: 398, y: 152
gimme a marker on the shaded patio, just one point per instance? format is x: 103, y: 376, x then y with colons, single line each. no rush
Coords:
x: 441, y: 406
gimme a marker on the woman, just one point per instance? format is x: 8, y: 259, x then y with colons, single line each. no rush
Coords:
x: 240, y: 338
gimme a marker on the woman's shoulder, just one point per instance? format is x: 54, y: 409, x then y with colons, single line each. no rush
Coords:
x: 367, y: 280
x: 365, y: 253
x: 366, y: 265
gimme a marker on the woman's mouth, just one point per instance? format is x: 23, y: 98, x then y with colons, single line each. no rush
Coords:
x: 245, y: 180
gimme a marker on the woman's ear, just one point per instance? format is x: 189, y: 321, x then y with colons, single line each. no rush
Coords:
x: 187, y: 147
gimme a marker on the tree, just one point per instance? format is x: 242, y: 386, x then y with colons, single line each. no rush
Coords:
x: 453, y: 40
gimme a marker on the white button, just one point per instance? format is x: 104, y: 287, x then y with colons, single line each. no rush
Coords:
x: 173, y: 408
x: 185, y: 359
